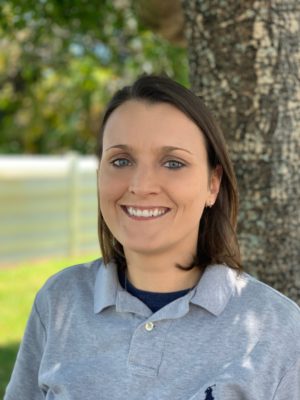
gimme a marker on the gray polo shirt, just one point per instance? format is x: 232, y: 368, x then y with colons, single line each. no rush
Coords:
x: 230, y: 338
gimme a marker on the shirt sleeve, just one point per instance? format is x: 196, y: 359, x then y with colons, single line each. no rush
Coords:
x: 24, y: 379
x: 289, y: 386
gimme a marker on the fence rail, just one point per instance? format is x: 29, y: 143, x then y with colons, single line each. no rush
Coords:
x: 48, y: 206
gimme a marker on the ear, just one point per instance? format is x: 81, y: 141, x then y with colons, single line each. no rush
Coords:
x: 214, y: 185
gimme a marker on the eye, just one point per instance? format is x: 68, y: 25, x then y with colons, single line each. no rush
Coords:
x: 174, y: 164
x: 121, y: 162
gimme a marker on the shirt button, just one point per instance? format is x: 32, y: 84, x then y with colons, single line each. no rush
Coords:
x: 149, y: 326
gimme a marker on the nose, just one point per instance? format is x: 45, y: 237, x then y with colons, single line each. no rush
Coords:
x: 144, y: 181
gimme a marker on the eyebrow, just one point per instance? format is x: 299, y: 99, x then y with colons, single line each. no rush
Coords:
x: 165, y: 149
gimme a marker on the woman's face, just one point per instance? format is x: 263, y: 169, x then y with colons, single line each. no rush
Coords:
x: 154, y: 180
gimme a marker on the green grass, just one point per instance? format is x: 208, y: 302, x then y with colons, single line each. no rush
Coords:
x: 18, y: 286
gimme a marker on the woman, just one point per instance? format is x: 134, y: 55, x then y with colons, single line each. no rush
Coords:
x: 168, y: 312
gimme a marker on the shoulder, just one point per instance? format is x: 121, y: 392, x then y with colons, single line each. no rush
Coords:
x: 279, y: 314
x: 74, y: 273
x: 77, y: 280
x: 77, y: 274
x: 258, y: 291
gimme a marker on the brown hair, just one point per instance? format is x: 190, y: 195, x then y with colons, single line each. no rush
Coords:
x: 217, y: 241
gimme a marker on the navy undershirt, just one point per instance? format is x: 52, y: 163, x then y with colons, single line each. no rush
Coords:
x: 154, y: 300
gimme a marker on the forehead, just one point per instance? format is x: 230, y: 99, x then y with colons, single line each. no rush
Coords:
x: 148, y: 122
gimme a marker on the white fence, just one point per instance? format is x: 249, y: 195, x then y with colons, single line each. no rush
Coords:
x: 48, y: 206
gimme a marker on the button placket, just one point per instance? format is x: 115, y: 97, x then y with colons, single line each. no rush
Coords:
x: 146, y: 348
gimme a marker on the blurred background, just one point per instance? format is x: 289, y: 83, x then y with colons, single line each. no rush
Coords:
x: 60, y: 62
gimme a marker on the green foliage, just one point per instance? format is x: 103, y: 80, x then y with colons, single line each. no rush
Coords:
x: 60, y: 61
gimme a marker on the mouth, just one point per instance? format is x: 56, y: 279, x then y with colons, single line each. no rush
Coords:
x: 145, y: 212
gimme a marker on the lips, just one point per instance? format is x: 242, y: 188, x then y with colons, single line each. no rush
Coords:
x: 145, y: 212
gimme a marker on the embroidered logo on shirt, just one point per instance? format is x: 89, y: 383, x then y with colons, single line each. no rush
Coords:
x: 209, y: 393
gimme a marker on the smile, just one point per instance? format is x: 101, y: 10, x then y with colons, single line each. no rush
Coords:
x: 145, y: 212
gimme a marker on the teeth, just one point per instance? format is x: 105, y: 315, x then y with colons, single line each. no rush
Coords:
x: 154, y: 212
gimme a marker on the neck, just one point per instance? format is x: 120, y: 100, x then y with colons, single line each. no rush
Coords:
x: 159, y: 273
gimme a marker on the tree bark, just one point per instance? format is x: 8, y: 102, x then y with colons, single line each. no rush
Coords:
x: 244, y: 61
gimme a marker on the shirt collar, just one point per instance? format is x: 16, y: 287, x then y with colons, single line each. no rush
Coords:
x: 215, y: 288
x: 109, y: 292
x: 212, y: 292
x: 106, y: 287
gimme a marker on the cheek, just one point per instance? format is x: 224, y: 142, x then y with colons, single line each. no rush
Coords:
x: 191, y: 202
x: 190, y: 191
x: 110, y: 191
x: 107, y: 204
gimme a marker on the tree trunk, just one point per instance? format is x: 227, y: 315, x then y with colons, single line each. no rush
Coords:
x: 244, y: 58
